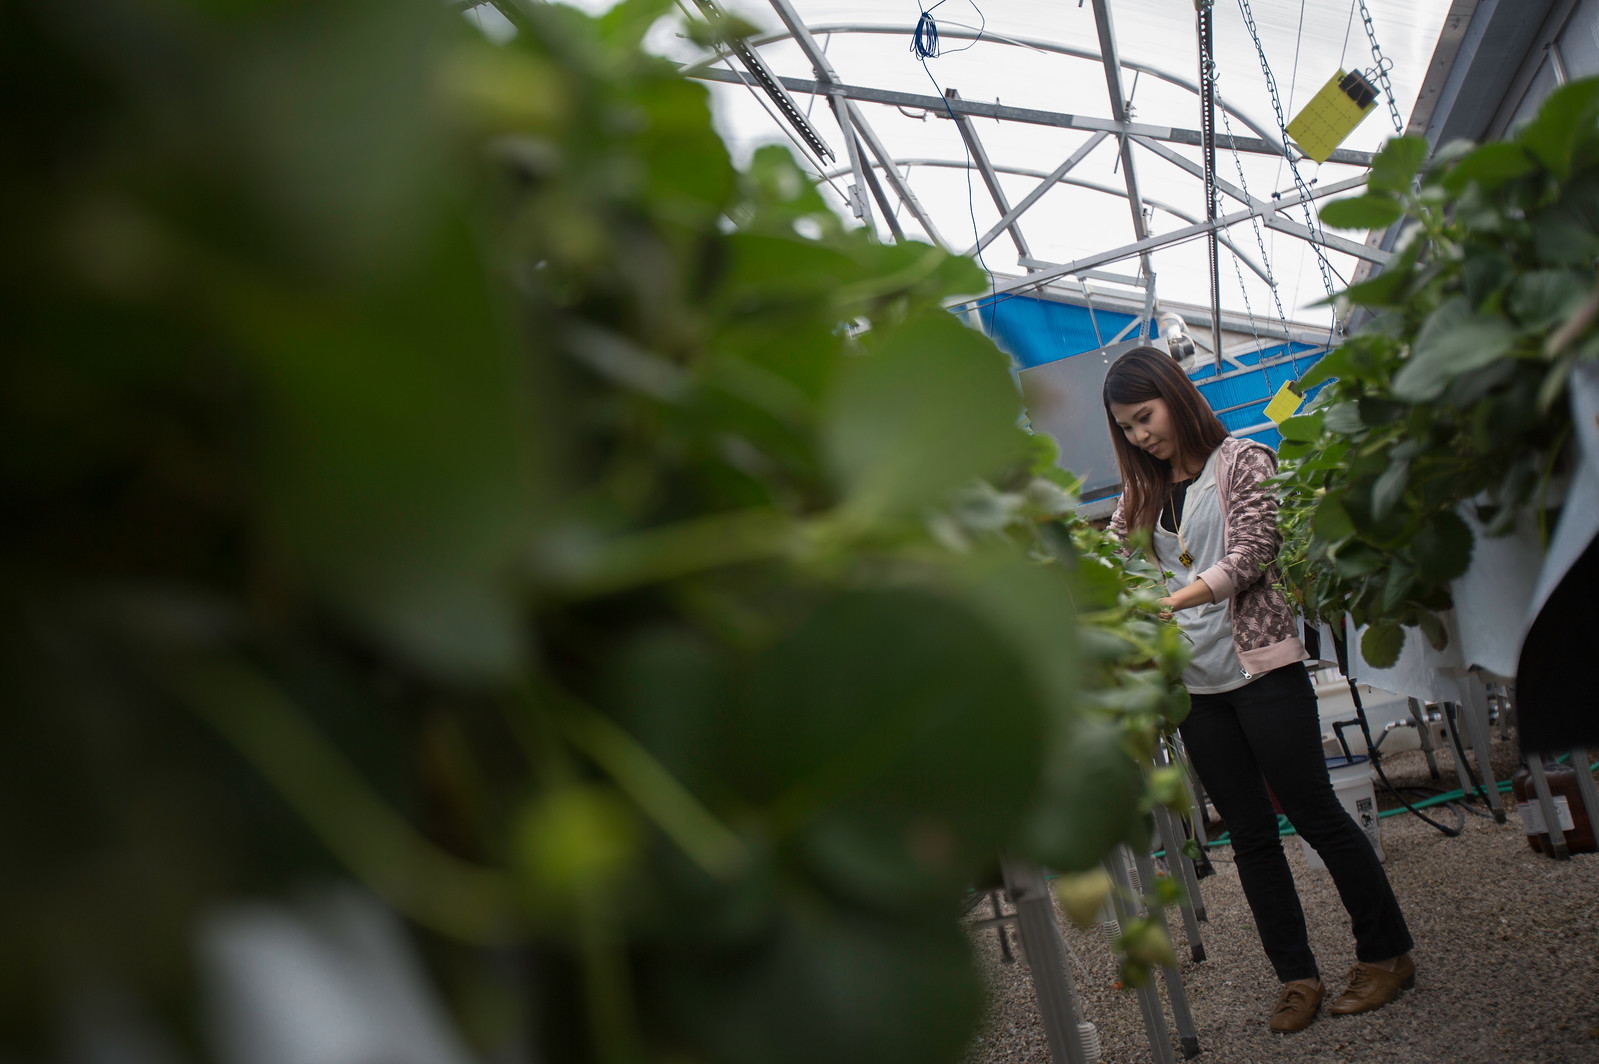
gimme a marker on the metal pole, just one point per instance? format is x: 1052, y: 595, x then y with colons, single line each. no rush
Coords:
x: 857, y: 192
x: 1476, y: 713
x: 1207, y: 128
x: 1046, y: 958
x: 1546, y: 804
x: 1175, y: 993
x: 1585, y: 786
x: 1148, y: 998
x: 1171, y: 837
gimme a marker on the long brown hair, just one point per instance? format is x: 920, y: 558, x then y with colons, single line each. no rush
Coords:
x: 1142, y: 374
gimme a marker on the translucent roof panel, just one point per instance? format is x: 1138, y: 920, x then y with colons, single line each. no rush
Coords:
x: 1047, y: 58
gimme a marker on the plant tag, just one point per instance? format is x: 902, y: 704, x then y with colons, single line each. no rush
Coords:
x: 1284, y: 403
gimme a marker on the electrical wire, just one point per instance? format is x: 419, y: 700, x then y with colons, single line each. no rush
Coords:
x: 1347, y: 27
x: 924, y: 46
x: 924, y: 41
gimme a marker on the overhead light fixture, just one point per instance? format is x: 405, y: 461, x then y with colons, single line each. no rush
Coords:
x: 1178, y: 342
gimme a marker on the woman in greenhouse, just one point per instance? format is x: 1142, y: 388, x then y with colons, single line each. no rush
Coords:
x: 1201, y: 496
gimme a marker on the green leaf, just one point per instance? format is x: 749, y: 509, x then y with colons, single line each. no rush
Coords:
x: 1304, y: 428
x: 803, y: 987
x: 1489, y: 166
x: 1433, y: 628
x: 932, y: 407
x: 1384, y: 289
x: 1485, y: 272
x: 1397, y: 163
x: 1343, y: 418
x: 1443, y: 548
x: 625, y: 25
x: 1179, y: 705
x: 1400, y: 578
x: 1332, y: 364
x: 1356, y: 560
x: 1452, y: 342
x: 1381, y: 644
x: 1564, y: 120
x: 1362, y: 212
x: 1377, y: 412
x: 1389, y: 489
x: 396, y: 466
x: 1564, y: 235
x: 1332, y: 521
x: 870, y: 697
x: 1542, y: 298
x: 1090, y: 772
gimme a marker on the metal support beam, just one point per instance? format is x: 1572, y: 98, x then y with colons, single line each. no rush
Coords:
x: 849, y: 116
x: 1177, y: 236
x: 858, y: 167
x: 1008, y: 217
x: 1183, y: 162
x: 1331, y: 241
x: 1275, y: 221
x: 768, y: 82
x: 1269, y: 144
x: 980, y: 157
x: 897, y: 181
x: 1111, y: 60
x: 883, y: 205
x: 1005, y: 112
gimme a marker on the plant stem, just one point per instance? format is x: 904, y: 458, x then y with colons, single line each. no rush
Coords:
x: 433, y: 887
x: 658, y: 794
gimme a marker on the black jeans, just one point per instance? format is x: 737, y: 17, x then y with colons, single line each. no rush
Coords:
x: 1268, y: 732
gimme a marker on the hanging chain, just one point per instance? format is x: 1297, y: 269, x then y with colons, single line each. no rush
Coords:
x: 1384, y: 65
x: 1207, y: 125
x: 1260, y: 241
x: 1311, y: 221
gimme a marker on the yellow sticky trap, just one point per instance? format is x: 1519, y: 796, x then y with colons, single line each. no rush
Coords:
x: 1283, y: 404
x: 1332, y: 114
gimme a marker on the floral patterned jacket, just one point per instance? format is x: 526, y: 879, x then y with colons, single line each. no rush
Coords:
x: 1265, y: 631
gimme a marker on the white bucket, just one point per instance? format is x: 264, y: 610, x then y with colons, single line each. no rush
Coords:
x: 1352, y: 780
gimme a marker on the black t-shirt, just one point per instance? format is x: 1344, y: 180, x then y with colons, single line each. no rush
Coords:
x: 1172, y: 515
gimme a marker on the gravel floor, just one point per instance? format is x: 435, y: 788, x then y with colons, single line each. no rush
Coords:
x: 1507, y: 958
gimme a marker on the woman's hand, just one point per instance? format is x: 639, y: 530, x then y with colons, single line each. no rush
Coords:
x: 1196, y: 594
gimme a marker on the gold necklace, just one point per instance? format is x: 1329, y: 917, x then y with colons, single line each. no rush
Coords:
x: 1177, y: 524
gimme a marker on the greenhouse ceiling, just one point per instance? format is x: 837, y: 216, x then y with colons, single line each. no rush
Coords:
x: 1078, y: 123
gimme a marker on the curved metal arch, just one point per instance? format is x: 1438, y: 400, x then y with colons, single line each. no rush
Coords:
x: 1017, y: 42
x: 960, y: 164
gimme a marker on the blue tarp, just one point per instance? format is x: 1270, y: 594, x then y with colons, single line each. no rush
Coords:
x: 1038, y: 331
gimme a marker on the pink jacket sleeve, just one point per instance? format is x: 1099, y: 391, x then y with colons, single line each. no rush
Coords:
x: 1252, y: 537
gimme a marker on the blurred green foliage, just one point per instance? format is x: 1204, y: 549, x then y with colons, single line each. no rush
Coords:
x: 432, y: 461
x: 1454, y: 393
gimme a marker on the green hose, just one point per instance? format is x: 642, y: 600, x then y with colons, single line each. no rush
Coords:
x: 1284, y: 828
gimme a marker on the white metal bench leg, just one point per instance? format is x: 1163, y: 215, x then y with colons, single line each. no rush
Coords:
x: 1046, y: 959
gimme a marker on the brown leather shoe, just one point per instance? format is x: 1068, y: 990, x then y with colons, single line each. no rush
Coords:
x: 1372, y: 988
x: 1296, y: 1006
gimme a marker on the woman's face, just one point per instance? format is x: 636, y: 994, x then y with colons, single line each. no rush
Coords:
x: 1147, y: 426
